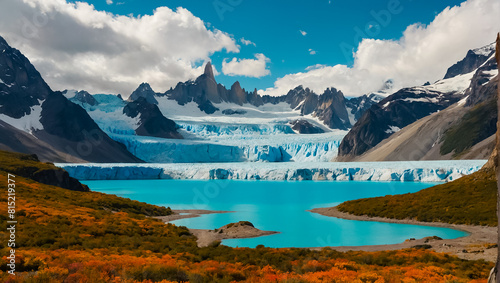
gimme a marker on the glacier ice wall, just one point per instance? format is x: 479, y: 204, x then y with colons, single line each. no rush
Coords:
x: 207, y: 130
x: 419, y: 171
x: 289, y: 148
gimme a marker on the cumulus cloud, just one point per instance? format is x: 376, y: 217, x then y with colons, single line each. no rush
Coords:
x: 312, y: 52
x: 247, y: 42
x: 109, y: 2
x: 422, y: 54
x: 255, y: 68
x: 75, y: 46
x: 303, y: 32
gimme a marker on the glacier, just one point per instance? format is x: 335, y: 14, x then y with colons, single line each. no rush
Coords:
x: 235, y: 148
x: 401, y: 171
x: 264, y: 134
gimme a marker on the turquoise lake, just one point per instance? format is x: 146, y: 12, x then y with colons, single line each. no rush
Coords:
x: 278, y: 206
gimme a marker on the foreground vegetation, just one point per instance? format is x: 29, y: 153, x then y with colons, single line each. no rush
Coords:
x: 469, y: 200
x: 70, y: 236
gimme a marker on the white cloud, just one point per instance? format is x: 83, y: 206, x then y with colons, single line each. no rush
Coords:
x: 317, y: 66
x: 303, y: 32
x: 74, y: 46
x: 109, y: 2
x: 422, y: 54
x: 311, y: 51
x: 247, y: 42
x: 255, y: 68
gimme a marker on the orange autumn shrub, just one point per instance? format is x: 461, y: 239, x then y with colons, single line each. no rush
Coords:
x: 64, y: 236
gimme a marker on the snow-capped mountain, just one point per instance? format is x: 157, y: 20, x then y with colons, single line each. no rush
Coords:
x: 329, y: 107
x: 271, y: 132
x: 408, y: 105
x: 225, y: 125
x: 36, y: 119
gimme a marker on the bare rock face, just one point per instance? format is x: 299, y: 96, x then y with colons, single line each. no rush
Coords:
x: 237, y: 94
x: 21, y: 85
x: 202, y: 91
x: 152, y: 121
x: 473, y: 60
x: 330, y: 107
x: 304, y: 127
x: 84, y: 98
x: 482, y: 87
x: 359, y: 105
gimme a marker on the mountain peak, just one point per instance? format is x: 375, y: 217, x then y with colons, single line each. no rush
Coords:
x: 209, y: 72
x: 144, y: 87
x: 3, y: 43
x: 487, y: 50
x: 473, y: 60
x: 236, y: 85
x: 144, y: 90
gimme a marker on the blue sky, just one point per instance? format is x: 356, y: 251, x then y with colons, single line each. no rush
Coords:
x: 111, y: 46
x: 275, y: 28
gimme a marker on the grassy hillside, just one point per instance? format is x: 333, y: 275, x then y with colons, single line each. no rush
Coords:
x: 70, y: 236
x: 477, y: 124
x: 468, y: 200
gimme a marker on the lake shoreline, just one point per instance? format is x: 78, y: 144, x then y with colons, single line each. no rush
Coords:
x: 188, y: 213
x: 479, y: 244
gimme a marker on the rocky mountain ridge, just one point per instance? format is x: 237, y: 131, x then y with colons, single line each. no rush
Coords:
x: 440, y: 135
x: 28, y: 104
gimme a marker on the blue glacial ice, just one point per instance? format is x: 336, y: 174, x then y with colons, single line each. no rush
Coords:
x: 417, y: 171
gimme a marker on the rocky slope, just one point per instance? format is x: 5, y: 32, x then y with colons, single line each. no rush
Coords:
x: 64, y: 128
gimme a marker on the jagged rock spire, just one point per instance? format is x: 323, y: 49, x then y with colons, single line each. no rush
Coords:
x: 209, y: 72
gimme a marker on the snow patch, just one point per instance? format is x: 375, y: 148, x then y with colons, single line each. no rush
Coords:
x: 70, y: 93
x: 462, y: 101
x: 491, y: 73
x: 485, y: 50
x: 456, y: 84
x: 27, y: 123
x: 392, y: 129
x: 352, y: 118
x: 422, y: 99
